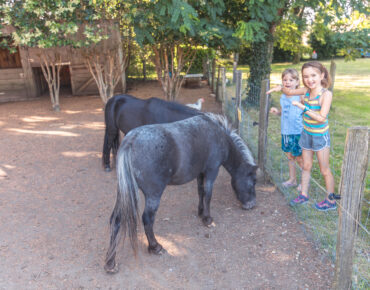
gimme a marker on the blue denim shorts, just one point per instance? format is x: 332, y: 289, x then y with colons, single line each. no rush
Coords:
x: 290, y: 143
x: 314, y: 143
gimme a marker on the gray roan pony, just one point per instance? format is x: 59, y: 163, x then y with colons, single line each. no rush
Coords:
x: 152, y: 156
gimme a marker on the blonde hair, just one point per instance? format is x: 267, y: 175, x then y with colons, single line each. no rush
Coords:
x: 293, y: 73
x: 326, y: 81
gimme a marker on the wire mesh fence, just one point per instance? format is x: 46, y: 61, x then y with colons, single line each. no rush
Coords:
x: 320, y: 227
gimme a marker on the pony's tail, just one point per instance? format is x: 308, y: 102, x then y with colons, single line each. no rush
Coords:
x: 125, y: 213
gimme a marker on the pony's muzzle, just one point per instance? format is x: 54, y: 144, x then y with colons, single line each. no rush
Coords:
x: 249, y: 204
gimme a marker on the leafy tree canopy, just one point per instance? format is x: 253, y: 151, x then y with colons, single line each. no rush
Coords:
x: 188, y: 22
x: 51, y: 23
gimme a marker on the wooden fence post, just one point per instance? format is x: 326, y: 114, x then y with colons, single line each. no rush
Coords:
x: 224, y: 96
x: 218, y: 84
x: 235, y: 65
x: 238, y: 99
x: 263, y: 124
x: 213, y: 75
x: 351, y: 187
x: 333, y: 68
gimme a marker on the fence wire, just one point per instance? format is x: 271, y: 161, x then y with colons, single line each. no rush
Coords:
x: 320, y: 227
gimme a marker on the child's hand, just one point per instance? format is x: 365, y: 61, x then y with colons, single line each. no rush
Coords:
x: 298, y: 104
x: 274, y: 111
x: 276, y: 89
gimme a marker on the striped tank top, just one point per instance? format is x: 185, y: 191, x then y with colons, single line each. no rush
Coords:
x: 311, y: 126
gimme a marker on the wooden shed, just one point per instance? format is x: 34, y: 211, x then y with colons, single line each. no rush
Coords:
x: 21, y: 76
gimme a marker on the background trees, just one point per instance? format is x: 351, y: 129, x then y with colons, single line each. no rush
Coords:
x: 174, y: 30
x: 169, y: 33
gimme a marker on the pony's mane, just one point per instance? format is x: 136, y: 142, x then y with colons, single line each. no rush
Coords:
x: 223, y: 122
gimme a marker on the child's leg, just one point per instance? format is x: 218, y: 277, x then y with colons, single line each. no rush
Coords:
x: 299, y: 161
x: 307, y: 156
x: 323, y: 159
x: 292, y: 171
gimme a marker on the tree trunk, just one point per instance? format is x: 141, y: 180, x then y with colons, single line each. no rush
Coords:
x: 169, y: 61
x: 296, y: 57
x: 107, y: 69
x: 50, y: 67
x: 144, y: 68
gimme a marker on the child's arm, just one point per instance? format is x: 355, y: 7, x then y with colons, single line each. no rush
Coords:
x: 294, y: 92
x: 326, y: 99
x: 289, y: 92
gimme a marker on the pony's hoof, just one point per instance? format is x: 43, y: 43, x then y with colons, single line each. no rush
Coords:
x: 207, y: 221
x: 111, y: 270
x: 157, y: 250
x: 200, y: 211
x: 107, y: 169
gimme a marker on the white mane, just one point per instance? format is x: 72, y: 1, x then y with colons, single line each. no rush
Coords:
x: 224, y: 123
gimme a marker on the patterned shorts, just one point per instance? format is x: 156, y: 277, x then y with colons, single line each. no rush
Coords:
x: 314, y: 143
x: 290, y: 143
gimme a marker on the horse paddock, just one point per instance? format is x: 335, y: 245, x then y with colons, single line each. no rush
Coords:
x: 56, y: 201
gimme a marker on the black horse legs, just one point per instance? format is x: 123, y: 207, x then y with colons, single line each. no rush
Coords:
x: 205, y: 186
x: 111, y: 141
x: 151, y: 207
x: 201, y: 193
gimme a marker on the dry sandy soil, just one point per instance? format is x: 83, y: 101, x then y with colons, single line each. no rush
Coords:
x: 55, y: 202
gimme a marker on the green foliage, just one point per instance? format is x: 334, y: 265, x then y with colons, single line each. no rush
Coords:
x: 245, y: 54
x: 168, y: 21
x: 252, y: 19
x: 289, y: 36
x: 281, y: 55
x: 201, y: 55
x: 322, y: 40
x: 48, y: 24
x: 343, y: 37
x: 260, y: 68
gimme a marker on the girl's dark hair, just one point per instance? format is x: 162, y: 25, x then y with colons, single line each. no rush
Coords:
x: 326, y: 81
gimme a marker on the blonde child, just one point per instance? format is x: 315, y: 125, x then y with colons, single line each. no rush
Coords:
x: 315, y: 137
x: 291, y: 125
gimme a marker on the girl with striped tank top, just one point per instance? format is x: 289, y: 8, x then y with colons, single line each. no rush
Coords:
x: 315, y: 137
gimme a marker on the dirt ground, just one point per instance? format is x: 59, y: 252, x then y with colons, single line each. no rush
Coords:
x: 55, y: 202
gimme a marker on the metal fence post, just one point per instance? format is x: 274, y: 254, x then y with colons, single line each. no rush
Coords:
x: 238, y: 99
x: 263, y: 125
x: 351, y: 187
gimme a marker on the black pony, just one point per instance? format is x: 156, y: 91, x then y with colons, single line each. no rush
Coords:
x: 125, y: 112
x: 153, y: 156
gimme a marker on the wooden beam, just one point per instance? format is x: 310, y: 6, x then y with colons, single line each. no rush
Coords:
x: 351, y: 188
x: 263, y: 125
x: 29, y: 78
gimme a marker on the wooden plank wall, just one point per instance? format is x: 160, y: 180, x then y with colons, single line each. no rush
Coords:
x: 12, y: 85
